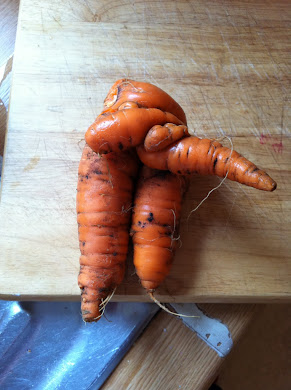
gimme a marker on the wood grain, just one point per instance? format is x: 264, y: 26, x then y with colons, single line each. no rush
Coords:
x: 226, y: 63
x: 174, y: 356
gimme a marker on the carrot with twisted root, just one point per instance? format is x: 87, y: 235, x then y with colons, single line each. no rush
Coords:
x: 146, y: 95
x: 125, y: 128
x: 130, y: 110
x: 143, y: 116
x: 104, y: 200
x: 207, y: 157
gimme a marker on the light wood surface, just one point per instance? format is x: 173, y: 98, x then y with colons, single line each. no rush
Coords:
x: 170, y: 356
x: 227, y: 64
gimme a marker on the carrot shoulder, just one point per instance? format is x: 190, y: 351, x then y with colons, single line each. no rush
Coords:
x: 104, y: 198
x: 155, y: 224
x: 207, y: 157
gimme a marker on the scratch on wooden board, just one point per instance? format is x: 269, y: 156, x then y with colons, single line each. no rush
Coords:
x: 94, y: 15
x: 275, y: 65
x: 119, y: 51
x: 255, y: 70
x: 228, y: 17
x: 276, y: 142
x: 214, y: 71
x: 57, y: 21
x: 231, y: 56
x: 32, y: 163
x: 249, y: 107
x: 207, y: 107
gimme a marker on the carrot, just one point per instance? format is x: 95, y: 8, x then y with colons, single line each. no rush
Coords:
x: 159, y: 137
x: 120, y: 130
x: 207, y: 157
x: 155, y: 223
x: 104, y: 199
x: 144, y: 94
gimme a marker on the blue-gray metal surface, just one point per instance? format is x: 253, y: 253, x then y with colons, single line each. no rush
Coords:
x: 47, y: 346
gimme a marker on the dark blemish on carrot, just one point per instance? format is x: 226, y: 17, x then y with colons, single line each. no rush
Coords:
x: 114, y: 253
x: 139, y: 223
x: 162, y: 174
x: 188, y: 151
x: 256, y: 169
x: 97, y: 171
x: 119, y: 89
x: 179, y: 172
x: 87, y: 176
x: 102, y: 289
x: 151, y: 217
x: 120, y: 146
x: 83, y: 243
x: 214, y: 163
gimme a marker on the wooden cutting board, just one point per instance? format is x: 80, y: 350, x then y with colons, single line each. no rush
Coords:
x: 226, y: 63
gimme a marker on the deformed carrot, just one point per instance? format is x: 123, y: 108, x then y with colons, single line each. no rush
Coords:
x: 207, y: 157
x: 155, y: 224
x: 144, y: 95
x: 104, y: 200
x: 123, y: 129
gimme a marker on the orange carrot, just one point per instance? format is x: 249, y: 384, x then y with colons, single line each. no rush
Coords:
x: 104, y: 199
x: 207, y: 157
x: 113, y: 132
x: 159, y: 137
x: 144, y: 95
x: 155, y: 223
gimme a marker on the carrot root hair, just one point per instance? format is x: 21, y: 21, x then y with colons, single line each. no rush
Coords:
x: 219, y: 185
x: 151, y: 294
x: 102, y: 306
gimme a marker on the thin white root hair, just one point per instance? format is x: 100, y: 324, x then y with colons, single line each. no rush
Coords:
x: 174, y: 228
x: 105, y: 301
x: 124, y: 210
x: 220, y: 184
x: 167, y: 310
x: 103, y: 305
